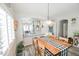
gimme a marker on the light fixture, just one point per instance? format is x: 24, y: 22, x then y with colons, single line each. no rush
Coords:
x: 49, y: 22
x: 73, y: 20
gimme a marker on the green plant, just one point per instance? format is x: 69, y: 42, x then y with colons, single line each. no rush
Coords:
x: 19, y: 48
x: 76, y: 33
x: 76, y: 42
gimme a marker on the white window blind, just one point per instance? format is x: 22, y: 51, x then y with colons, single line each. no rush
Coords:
x: 3, y: 31
x: 10, y: 24
x: 6, y: 31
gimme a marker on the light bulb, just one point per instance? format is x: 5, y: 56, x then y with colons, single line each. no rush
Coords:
x: 50, y: 23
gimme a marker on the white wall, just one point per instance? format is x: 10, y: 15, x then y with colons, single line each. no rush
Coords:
x: 71, y: 27
x: 19, y: 31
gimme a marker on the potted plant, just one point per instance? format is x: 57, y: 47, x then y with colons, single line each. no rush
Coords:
x: 19, y: 49
x: 76, y: 34
x: 76, y: 37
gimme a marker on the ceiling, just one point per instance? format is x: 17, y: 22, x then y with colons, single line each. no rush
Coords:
x: 41, y: 9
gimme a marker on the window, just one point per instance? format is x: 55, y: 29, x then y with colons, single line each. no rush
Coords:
x: 6, y: 31
x: 28, y: 28
x: 3, y: 31
x: 10, y: 27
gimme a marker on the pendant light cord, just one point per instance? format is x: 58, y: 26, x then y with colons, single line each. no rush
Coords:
x: 48, y: 12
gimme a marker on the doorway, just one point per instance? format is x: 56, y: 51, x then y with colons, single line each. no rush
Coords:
x: 64, y: 28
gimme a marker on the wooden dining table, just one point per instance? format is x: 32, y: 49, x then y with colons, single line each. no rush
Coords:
x: 43, y: 44
x: 52, y: 45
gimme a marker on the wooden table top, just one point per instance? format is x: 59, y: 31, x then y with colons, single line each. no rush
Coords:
x: 42, y: 43
x: 62, y: 42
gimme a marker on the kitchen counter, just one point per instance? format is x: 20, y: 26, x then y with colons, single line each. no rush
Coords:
x: 27, y: 39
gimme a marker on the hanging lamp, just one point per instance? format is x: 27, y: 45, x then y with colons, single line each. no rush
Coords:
x: 49, y: 22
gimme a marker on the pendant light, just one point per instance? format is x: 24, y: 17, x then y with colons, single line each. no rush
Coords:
x: 49, y: 22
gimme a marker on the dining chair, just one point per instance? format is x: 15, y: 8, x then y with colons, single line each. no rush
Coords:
x: 70, y: 40
x: 35, y: 45
x: 53, y: 37
x: 39, y: 50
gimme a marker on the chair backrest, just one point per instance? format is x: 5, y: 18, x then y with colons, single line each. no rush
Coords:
x: 53, y: 37
x: 70, y: 40
x: 41, y: 47
x: 38, y: 48
x: 35, y: 43
x: 64, y: 39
